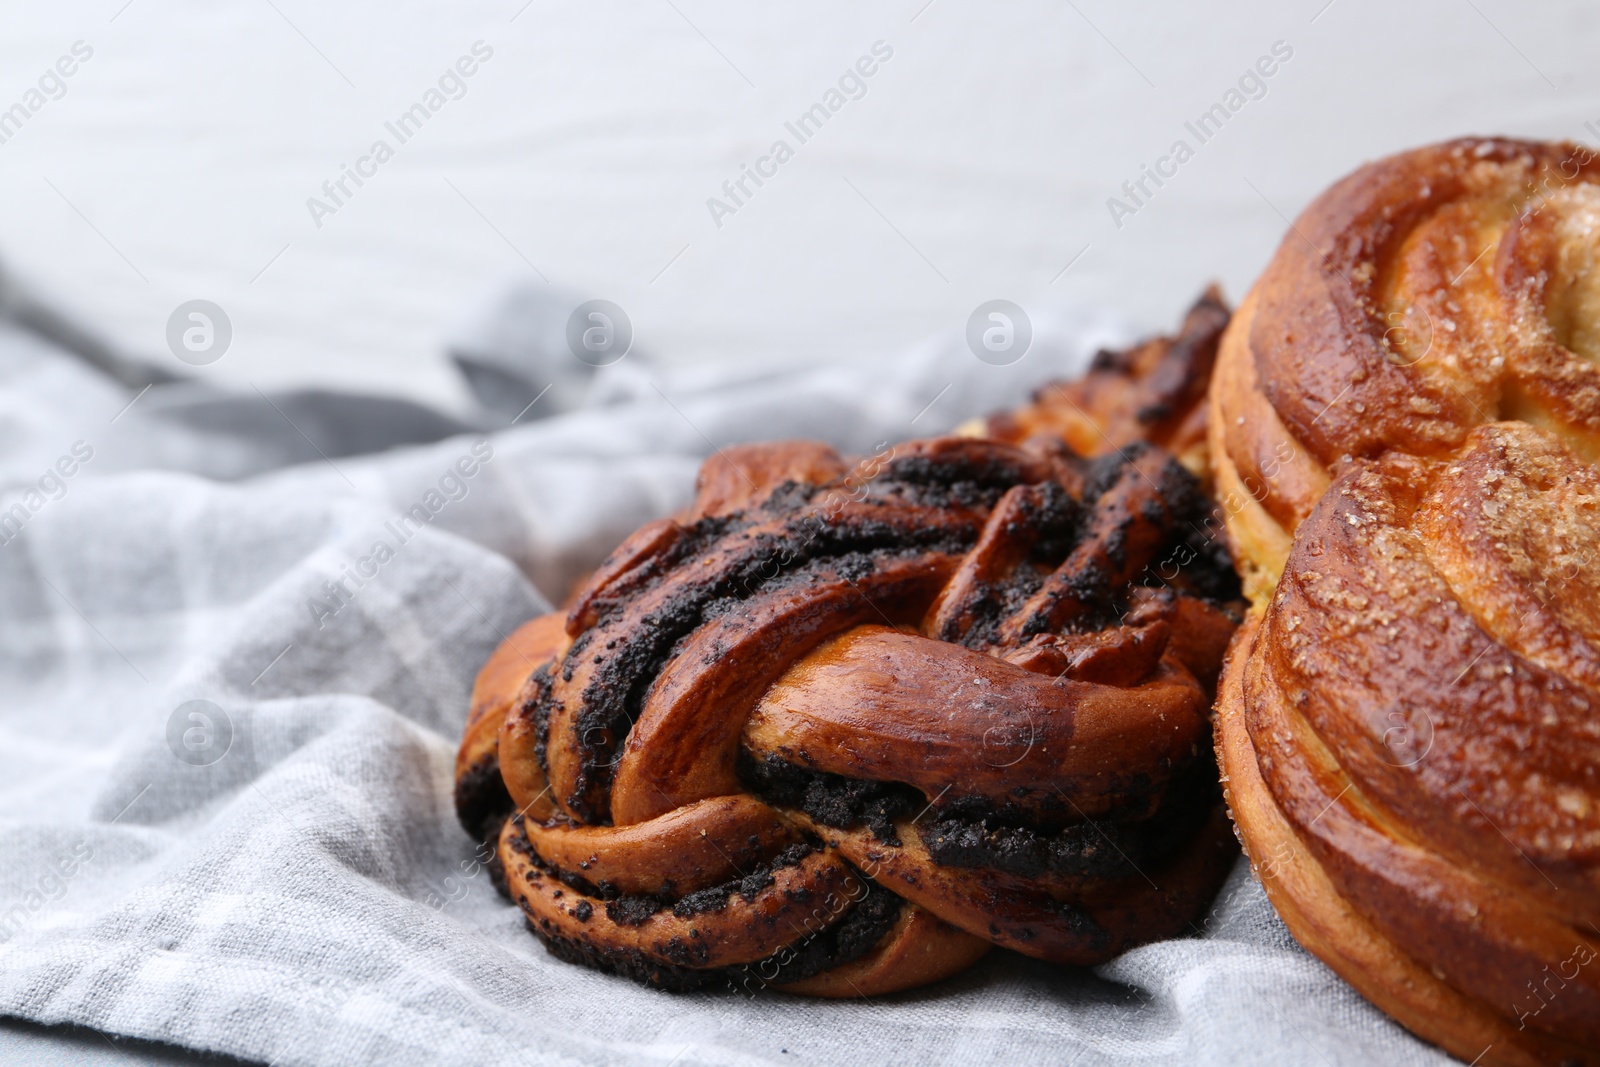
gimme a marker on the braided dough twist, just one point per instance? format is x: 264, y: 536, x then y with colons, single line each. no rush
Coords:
x: 840, y: 728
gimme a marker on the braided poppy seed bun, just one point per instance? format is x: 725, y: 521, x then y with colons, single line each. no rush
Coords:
x: 1405, y: 419
x: 841, y: 727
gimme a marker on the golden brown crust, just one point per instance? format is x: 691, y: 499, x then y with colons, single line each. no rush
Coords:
x: 839, y: 727
x: 741, y: 476
x: 1264, y: 480
x: 919, y: 949
x: 744, y: 930
x: 497, y: 692
x: 1421, y: 296
x: 876, y: 701
x: 1434, y: 841
x: 1328, y: 926
x: 1153, y: 392
x: 1025, y: 914
x: 1408, y: 727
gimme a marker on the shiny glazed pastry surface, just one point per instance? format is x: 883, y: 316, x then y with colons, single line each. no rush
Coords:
x: 842, y: 727
x: 1154, y: 392
x: 1404, y: 427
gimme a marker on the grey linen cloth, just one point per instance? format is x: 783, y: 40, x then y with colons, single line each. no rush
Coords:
x: 233, y: 687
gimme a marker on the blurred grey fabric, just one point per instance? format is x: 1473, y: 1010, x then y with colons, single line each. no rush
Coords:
x: 226, y: 813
